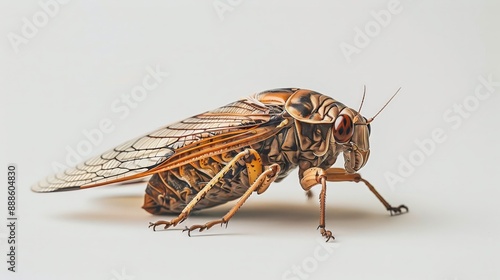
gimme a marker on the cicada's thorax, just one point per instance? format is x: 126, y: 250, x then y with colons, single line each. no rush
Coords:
x: 307, y: 141
x: 320, y: 128
x: 300, y: 145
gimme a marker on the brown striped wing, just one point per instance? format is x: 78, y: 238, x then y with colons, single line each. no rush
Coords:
x: 144, y: 156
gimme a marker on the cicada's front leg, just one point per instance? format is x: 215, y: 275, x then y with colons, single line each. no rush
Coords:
x: 314, y: 176
x: 322, y: 201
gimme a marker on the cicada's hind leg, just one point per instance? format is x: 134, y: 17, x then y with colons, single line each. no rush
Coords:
x: 313, y: 176
x: 260, y: 185
x: 254, y: 167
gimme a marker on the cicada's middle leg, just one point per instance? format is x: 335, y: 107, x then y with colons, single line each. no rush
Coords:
x: 260, y: 181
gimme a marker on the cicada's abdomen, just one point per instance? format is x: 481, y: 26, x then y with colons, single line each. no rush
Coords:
x: 170, y: 191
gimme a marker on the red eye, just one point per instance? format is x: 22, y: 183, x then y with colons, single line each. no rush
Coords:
x: 343, y: 129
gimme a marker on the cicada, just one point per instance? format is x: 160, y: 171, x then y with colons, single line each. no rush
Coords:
x: 233, y: 151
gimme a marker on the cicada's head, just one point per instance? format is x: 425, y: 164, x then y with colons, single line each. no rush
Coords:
x: 351, y: 133
x: 327, y: 127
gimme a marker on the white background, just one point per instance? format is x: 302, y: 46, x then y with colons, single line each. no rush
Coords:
x: 65, y: 79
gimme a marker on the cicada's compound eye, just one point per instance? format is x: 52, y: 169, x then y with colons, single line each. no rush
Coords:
x: 343, y: 128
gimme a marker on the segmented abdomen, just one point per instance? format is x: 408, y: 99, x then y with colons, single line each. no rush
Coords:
x: 170, y: 191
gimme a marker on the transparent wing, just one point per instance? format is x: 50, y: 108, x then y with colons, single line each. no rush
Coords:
x: 135, y: 158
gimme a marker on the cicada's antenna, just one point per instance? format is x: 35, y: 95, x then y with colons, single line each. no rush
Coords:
x: 362, y: 100
x: 390, y: 99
